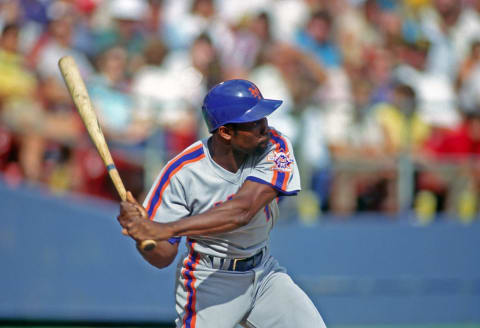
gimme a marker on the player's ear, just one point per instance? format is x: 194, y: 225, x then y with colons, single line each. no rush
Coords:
x: 225, y: 132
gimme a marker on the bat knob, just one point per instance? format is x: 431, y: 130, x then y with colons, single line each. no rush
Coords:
x: 148, y: 245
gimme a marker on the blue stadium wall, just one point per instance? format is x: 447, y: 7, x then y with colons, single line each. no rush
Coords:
x: 64, y: 258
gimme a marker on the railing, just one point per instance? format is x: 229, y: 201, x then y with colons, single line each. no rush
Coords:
x: 395, y: 186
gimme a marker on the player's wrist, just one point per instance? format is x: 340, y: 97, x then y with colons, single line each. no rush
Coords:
x: 169, y: 231
x: 161, y: 231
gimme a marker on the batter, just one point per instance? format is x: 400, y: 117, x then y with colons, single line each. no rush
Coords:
x: 221, y: 193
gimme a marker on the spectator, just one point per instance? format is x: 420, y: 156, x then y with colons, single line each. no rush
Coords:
x: 317, y: 38
x: 378, y: 67
x: 11, y: 12
x: 405, y: 131
x: 386, y: 66
x: 357, y: 32
x: 288, y: 17
x: 355, y: 186
x: 110, y: 94
x: 155, y: 21
x: 169, y: 88
x: 15, y: 80
x: 466, y: 30
x: 152, y: 87
x: 450, y: 163
x: 248, y: 43
x: 205, y: 59
x: 198, y: 17
x: 286, y: 72
x: 125, y: 130
x: 468, y: 80
x: 315, y: 156
x: 437, y: 23
x: 437, y: 99
x: 126, y: 30
x: 150, y: 79
x: 21, y: 114
x: 83, y: 37
x: 56, y: 43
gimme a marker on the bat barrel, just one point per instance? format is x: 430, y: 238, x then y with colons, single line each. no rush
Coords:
x: 78, y: 91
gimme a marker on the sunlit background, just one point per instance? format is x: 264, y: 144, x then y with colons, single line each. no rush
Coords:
x: 381, y: 102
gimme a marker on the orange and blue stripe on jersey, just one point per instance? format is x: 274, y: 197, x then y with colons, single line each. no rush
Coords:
x: 188, y: 156
x: 280, y: 177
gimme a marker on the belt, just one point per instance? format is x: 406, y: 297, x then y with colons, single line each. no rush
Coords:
x: 236, y: 264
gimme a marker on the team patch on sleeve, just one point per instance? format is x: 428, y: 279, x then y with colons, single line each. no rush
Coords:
x: 281, y: 160
x: 278, y: 168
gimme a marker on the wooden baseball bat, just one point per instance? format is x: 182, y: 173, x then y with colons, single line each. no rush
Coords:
x: 80, y: 97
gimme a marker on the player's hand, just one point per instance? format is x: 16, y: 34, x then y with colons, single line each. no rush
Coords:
x: 134, y: 220
x: 130, y: 210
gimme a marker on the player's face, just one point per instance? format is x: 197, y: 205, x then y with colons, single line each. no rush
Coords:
x: 251, y: 137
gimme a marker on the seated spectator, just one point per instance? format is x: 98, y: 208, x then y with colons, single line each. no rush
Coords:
x: 439, y: 24
x: 468, y: 80
x: 367, y: 87
x: 198, y: 17
x: 152, y: 86
x: 314, y: 156
x: 42, y: 121
x: 249, y: 40
x: 364, y: 173
x: 15, y: 80
x: 125, y: 30
x: 284, y: 72
x: 466, y: 30
x: 317, y: 38
x: 449, y: 164
x: 378, y: 67
x: 57, y: 42
x: 21, y: 116
x: 125, y: 130
x: 62, y: 133
x: 125, y: 127
x: 189, y: 74
x: 405, y: 131
x: 435, y: 91
x: 109, y: 90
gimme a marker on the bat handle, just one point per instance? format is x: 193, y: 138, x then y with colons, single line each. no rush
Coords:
x: 117, y: 181
x: 146, y: 245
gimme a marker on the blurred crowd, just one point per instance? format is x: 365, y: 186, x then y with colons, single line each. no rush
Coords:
x: 381, y: 97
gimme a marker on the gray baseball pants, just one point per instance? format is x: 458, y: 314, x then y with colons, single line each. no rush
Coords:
x: 262, y: 297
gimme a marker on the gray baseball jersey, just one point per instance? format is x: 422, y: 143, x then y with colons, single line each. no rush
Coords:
x: 193, y: 183
x: 210, y: 292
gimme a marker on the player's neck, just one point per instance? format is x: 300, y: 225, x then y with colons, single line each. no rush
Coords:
x: 225, y: 156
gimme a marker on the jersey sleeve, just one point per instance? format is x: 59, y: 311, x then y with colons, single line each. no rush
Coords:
x: 166, y: 202
x: 277, y: 167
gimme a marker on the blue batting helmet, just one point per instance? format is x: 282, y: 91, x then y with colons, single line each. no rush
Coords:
x: 235, y: 101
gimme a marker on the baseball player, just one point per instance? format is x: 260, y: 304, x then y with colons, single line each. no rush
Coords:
x: 221, y: 194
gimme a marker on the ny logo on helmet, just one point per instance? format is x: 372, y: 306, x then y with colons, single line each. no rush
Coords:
x: 255, y: 92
